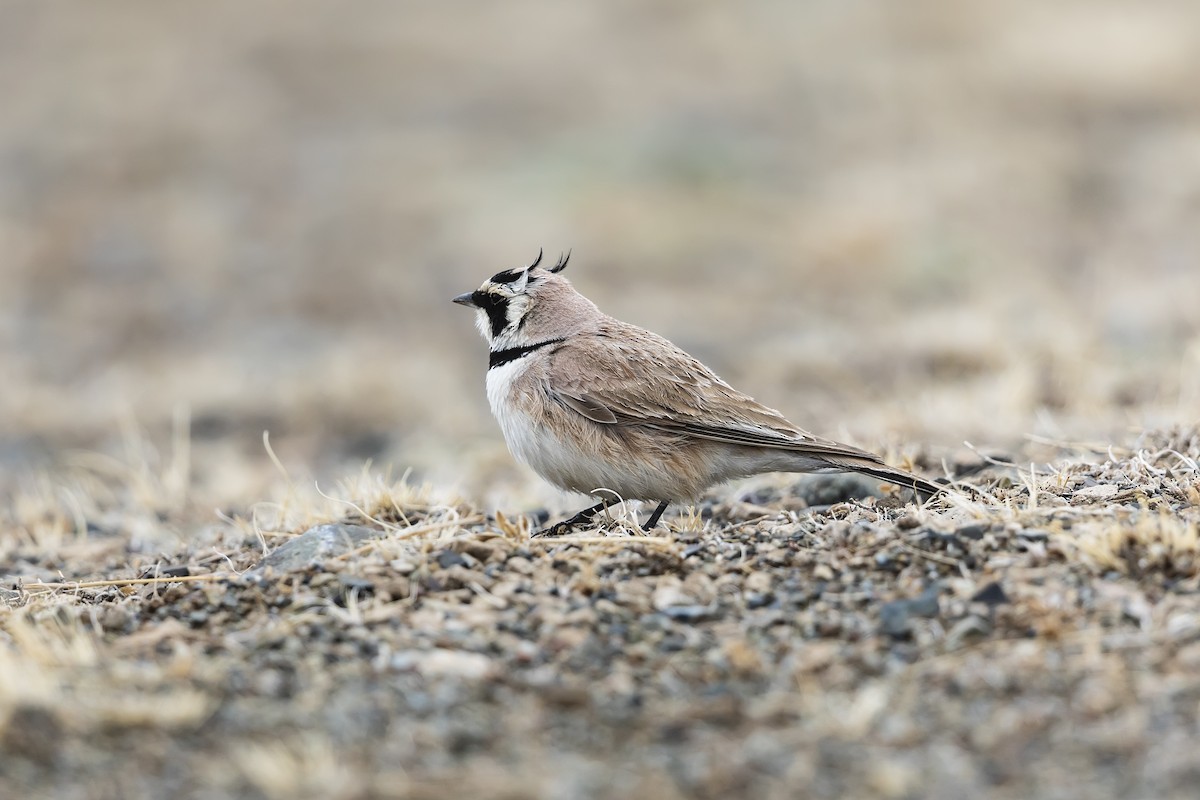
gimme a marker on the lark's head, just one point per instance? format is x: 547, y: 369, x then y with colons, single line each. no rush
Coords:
x: 527, y: 304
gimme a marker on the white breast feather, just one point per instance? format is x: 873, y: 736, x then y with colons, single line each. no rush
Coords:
x: 518, y: 431
x: 561, y: 463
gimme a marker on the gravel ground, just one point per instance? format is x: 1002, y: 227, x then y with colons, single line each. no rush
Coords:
x: 1031, y: 635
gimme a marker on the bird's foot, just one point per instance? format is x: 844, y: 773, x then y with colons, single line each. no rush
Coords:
x: 559, y: 528
x: 655, y: 517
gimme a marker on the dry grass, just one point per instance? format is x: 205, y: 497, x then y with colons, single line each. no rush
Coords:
x: 962, y: 646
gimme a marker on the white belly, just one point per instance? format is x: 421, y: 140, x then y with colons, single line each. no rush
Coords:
x: 515, y: 424
x: 563, y: 463
x: 529, y: 442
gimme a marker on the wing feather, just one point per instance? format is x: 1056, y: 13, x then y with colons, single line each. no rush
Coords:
x: 589, y: 406
x: 624, y: 375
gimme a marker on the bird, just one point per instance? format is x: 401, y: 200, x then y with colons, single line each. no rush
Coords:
x: 608, y: 409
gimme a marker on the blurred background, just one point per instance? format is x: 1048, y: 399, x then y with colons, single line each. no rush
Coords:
x: 903, y: 224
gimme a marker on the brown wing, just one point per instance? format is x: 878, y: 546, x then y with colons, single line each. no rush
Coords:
x: 624, y: 375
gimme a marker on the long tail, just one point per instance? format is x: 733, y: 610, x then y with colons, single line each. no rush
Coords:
x: 899, y: 477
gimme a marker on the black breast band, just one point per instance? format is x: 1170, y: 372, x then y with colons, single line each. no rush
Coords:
x: 499, y: 358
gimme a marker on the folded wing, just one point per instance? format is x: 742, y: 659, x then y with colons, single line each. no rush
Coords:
x: 634, y: 377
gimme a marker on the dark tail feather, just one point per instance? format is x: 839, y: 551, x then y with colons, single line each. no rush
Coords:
x: 907, y: 480
x: 883, y: 472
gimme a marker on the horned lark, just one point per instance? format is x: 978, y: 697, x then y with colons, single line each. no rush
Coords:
x: 601, y: 407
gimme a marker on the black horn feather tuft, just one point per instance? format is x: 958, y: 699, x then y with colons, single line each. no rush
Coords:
x: 562, y: 263
x: 537, y: 260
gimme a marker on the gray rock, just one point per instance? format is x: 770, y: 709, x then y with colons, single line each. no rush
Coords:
x: 826, y: 490
x: 893, y: 619
x: 449, y: 558
x: 691, y: 613
x: 926, y: 604
x: 314, y: 546
x: 993, y: 595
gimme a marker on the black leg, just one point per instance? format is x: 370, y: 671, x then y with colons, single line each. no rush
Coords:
x: 580, y: 518
x: 656, y: 516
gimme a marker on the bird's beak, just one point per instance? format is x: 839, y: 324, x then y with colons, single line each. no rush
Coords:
x: 465, y: 300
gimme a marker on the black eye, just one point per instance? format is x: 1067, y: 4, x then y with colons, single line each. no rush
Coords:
x: 496, y: 308
x: 488, y: 299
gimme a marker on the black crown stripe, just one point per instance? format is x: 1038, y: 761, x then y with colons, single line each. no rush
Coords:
x: 508, y: 276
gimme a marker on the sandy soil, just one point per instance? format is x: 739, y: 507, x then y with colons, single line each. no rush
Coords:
x: 909, y: 227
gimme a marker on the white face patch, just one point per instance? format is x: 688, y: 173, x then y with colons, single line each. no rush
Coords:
x: 510, y: 336
x: 483, y: 325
